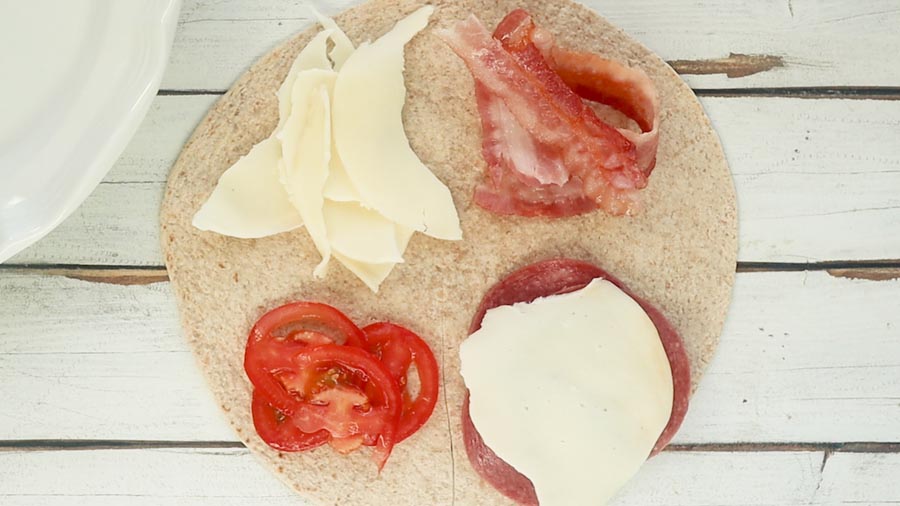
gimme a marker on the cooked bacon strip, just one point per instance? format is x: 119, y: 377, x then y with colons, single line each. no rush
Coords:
x: 516, y: 164
x: 593, y: 78
x: 547, y: 151
x: 601, y: 163
x: 626, y: 89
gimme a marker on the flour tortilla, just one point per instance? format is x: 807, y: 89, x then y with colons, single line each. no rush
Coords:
x: 679, y: 254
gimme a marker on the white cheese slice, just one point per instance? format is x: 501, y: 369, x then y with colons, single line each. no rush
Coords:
x: 368, y: 130
x: 313, y: 56
x: 249, y: 201
x: 361, y: 234
x: 339, y: 187
x: 374, y: 274
x: 343, y: 48
x: 306, y: 152
x: 298, y: 176
x: 571, y: 390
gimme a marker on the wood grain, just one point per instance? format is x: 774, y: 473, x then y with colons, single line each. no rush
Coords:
x: 232, y: 477
x: 217, y: 41
x: 814, y: 361
x: 860, y: 478
x: 93, y: 360
x: 814, y: 177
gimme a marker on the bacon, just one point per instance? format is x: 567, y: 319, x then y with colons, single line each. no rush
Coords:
x: 547, y: 151
x: 608, y: 82
x: 519, y: 169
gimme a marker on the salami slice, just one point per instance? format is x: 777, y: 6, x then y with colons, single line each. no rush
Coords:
x: 554, y: 277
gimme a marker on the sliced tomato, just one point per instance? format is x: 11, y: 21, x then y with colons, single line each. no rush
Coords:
x: 347, y: 392
x: 398, y: 349
x: 278, y: 430
x: 308, y: 323
x: 280, y: 334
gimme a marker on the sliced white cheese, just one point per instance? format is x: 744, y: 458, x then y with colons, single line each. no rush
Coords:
x: 306, y: 151
x: 361, y: 234
x: 370, y: 274
x: 339, y: 187
x: 368, y: 130
x: 572, y: 390
x: 313, y: 56
x: 249, y: 202
x: 374, y: 274
x: 298, y: 175
x: 343, y: 47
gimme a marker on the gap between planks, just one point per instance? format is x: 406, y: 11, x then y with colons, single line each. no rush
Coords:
x: 872, y: 270
x: 814, y: 92
x: 127, y: 444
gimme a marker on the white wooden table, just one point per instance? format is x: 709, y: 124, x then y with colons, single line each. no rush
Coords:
x: 101, y: 403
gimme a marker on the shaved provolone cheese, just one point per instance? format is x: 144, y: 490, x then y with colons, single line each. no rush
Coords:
x: 361, y: 234
x: 313, y: 56
x: 368, y: 130
x: 571, y: 390
x: 306, y: 151
x: 374, y: 274
x: 339, y: 187
x: 249, y: 202
x: 343, y: 48
x: 298, y: 176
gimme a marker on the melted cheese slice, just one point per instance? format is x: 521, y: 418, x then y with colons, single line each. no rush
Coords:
x: 368, y: 130
x: 249, y: 202
x: 571, y: 390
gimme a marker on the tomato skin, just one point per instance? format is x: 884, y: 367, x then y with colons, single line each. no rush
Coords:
x: 278, y: 430
x: 324, y: 319
x: 285, y: 331
x: 317, y: 379
x: 398, y: 348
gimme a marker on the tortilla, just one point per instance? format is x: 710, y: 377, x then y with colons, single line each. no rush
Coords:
x: 679, y: 253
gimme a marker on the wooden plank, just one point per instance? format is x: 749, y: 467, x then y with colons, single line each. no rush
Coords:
x: 814, y: 361
x: 232, y: 477
x: 804, y: 356
x: 158, y: 141
x: 804, y: 169
x: 715, y: 44
x: 860, y: 478
x: 95, y: 360
x: 814, y: 178
x: 117, y: 225
x: 183, y: 477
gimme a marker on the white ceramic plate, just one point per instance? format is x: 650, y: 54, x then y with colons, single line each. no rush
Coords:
x: 77, y: 78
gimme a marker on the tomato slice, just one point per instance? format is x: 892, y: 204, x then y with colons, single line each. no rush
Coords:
x: 308, y: 323
x: 279, y: 431
x: 283, y: 332
x: 398, y: 349
x: 347, y: 392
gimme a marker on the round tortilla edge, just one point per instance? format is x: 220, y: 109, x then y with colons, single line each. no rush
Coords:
x: 680, y: 253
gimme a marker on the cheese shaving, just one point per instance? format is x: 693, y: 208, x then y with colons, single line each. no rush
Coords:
x: 339, y: 161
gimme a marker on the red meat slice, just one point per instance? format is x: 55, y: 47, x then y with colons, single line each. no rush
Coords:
x: 553, y: 277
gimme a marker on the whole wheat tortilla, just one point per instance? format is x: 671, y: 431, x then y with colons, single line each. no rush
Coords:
x: 679, y: 253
